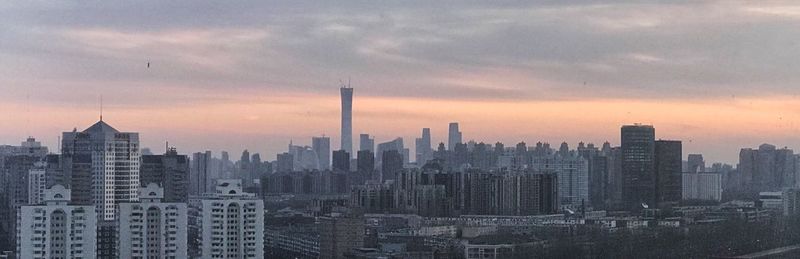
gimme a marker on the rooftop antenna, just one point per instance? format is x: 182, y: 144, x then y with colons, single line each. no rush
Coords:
x: 101, y: 107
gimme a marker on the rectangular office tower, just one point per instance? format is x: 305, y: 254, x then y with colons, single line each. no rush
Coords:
x: 228, y: 223
x: 453, y: 136
x: 55, y: 229
x: 322, y: 146
x: 347, y: 119
x: 638, y: 166
x: 170, y: 171
x: 112, y: 158
x: 152, y: 228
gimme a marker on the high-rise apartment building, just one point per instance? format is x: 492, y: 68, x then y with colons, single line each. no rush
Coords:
x: 365, y: 161
x: 453, y: 136
x: 200, y: 173
x: 347, y: 119
x: 153, y: 228
x: 55, y: 229
x: 638, y: 166
x: 322, y: 146
x: 228, y: 223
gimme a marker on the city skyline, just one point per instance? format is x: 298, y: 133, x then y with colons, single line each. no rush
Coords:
x: 247, y: 75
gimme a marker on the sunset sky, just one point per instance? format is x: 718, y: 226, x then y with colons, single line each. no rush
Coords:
x: 719, y: 75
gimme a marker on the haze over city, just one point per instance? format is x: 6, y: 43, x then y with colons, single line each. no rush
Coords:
x: 718, y: 75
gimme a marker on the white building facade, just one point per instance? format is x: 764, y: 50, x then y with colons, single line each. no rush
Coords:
x: 151, y: 228
x: 702, y: 186
x: 229, y: 223
x: 37, y: 183
x: 56, y: 229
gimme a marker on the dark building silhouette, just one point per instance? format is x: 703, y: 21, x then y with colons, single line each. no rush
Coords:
x: 341, y: 160
x: 391, y: 165
x: 170, y: 171
x: 668, y: 154
x: 285, y: 162
x: 638, y: 166
x: 366, y: 161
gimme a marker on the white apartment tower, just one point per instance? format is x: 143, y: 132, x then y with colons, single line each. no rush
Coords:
x: 152, y: 228
x: 229, y: 222
x: 37, y: 183
x: 114, y: 158
x: 55, y: 229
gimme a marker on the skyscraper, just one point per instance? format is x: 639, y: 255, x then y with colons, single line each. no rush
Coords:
x: 366, y: 143
x: 366, y: 161
x: 341, y: 160
x: 201, y: 161
x: 668, y: 154
x: 322, y: 146
x: 454, y: 136
x: 347, y: 118
x: 170, y: 171
x: 638, y: 167
x: 423, y: 147
x: 696, y: 164
x: 114, y: 158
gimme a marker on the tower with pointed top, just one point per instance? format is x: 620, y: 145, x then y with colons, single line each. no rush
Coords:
x: 104, y: 167
x: 347, y: 118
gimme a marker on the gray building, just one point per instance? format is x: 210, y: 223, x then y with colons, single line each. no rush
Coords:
x: 638, y: 166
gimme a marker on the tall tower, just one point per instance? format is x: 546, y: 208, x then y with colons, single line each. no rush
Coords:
x: 638, y: 165
x: 453, y: 136
x: 347, y: 118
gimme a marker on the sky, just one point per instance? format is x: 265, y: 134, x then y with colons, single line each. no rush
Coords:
x: 718, y: 75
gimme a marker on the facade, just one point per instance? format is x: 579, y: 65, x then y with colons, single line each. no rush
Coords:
x: 365, y: 161
x: 114, y: 158
x: 638, y: 166
x: 573, y: 176
x: 424, y: 150
x: 702, y: 186
x: 347, y: 119
x: 322, y: 146
x: 695, y: 163
x: 340, y: 234
x: 152, y: 228
x: 55, y: 229
x: 453, y: 136
x: 37, y: 183
x: 169, y: 170
x: 284, y: 163
x: 200, y: 173
x: 366, y: 143
x: 341, y: 160
x: 227, y: 223
x: 668, y: 154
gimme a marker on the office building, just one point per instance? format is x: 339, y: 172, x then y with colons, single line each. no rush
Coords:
x: 366, y: 161
x: 55, y: 229
x: 391, y: 165
x: 453, y: 136
x: 284, y: 163
x: 366, y: 143
x: 341, y: 160
x: 638, y: 166
x: 322, y: 146
x: 227, y: 223
x: 170, y: 171
x: 668, y: 154
x: 347, y: 119
x: 695, y: 163
x: 153, y: 228
x: 424, y: 151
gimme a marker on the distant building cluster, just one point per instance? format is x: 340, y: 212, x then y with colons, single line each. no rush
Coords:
x: 102, y: 195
